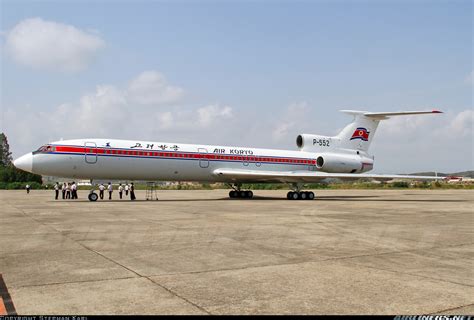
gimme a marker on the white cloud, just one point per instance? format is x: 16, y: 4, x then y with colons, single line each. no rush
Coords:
x: 294, y: 117
x: 281, y: 130
x: 470, y: 78
x: 406, y: 126
x: 212, y: 113
x: 49, y: 45
x: 110, y: 111
x: 166, y: 120
x: 151, y: 88
x: 462, y: 124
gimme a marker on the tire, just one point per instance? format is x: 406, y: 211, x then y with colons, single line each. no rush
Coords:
x: 93, y: 196
x: 232, y: 194
x: 288, y: 195
x: 242, y: 194
x: 311, y: 195
x: 249, y: 194
x: 303, y: 195
x: 295, y: 196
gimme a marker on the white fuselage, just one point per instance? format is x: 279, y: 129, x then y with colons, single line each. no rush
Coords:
x: 160, y: 161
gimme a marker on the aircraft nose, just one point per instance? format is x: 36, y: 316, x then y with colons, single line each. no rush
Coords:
x: 24, y: 162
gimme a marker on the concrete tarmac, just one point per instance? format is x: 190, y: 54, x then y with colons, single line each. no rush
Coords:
x: 198, y: 252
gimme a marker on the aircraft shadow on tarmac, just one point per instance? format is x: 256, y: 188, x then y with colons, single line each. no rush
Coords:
x: 318, y: 198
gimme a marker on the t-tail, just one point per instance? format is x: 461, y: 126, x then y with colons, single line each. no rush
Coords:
x: 357, y: 135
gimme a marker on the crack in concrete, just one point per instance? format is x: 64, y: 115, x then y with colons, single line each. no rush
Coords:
x: 452, y: 309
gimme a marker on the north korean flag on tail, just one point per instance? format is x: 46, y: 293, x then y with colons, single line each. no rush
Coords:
x: 360, y: 133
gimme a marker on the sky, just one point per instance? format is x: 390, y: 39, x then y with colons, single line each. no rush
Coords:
x: 241, y: 73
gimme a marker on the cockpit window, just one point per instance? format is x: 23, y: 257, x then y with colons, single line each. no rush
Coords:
x: 43, y: 149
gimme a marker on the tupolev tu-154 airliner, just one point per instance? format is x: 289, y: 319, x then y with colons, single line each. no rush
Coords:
x: 344, y: 156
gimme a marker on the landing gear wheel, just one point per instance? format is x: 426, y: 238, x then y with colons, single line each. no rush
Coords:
x: 249, y: 194
x: 242, y: 194
x: 295, y: 195
x: 311, y: 195
x: 289, y: 195
x: 93, y: 196
x: 233, y: 194
x: 303, y: 195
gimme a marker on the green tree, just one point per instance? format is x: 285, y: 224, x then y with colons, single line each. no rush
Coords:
x: 5, y: 154
x: 8, y: 172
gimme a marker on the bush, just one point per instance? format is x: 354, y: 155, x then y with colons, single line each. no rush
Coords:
x: 400, y: 184
x: 20, y: 185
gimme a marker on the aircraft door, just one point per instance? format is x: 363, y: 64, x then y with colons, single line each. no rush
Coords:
x: 90, y: 152
x: 203, y: 160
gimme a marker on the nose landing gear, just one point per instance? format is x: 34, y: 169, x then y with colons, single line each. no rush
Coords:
x: 92, y: 195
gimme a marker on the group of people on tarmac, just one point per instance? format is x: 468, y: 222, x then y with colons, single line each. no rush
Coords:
x: 69, y: 190
x: 121, y: 188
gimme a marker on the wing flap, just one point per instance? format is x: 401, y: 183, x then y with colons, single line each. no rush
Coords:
x: 240, y: 175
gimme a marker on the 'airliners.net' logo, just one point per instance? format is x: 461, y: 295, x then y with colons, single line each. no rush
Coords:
x: 360, y: 133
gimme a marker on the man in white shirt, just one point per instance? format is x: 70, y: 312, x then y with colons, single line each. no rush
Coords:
x: 68, y: 191
x: 101, y: 191
x: 56, y: 190
x: 74, y: 190
x: 110, y: 189
x: 120, y: 190
x: 126, y: 189
x: 63, y: 190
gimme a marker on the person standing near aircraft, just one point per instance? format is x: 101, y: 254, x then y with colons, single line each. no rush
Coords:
x: 63, y: 190
x: 126, y: 189
x: 27, y: 188
x: 68, y: 191
x: 110, y: 189
x: 56, y: 190
x: 132, y: 192
x: 74, y: 190
x: 120, y: 190
x: 101, y: 191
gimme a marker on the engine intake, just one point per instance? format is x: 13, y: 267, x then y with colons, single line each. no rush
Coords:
x: 339, y: 163
x: 313, y: 142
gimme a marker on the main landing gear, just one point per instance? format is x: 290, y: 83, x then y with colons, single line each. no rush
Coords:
x: 92, y: 195
x: 300, y: 195
x: 241, y: 194
x: 297, y: 194
x: 237, y: 193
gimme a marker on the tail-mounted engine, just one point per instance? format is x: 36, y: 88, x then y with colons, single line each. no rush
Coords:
x: 343, y: 163
x: 312, y: 142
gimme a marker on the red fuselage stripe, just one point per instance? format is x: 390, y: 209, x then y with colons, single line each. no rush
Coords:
x: 175, y: 154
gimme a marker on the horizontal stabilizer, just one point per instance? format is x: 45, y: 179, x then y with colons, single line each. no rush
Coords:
x: 386, y: 115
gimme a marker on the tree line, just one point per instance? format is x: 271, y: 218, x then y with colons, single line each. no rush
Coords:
x: 10, y: 176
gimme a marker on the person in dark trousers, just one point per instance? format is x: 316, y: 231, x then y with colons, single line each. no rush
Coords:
x: 27, y: 188
x: 68, y: 191
x: 110, y: 189
x: 56, y: 191
x: 132, y: 192
x: 101, y: 191
x: 74, y: 190
x: 120, y: 190
x: 63, y: 190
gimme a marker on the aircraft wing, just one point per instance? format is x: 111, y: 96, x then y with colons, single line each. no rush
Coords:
x: 242, y: 175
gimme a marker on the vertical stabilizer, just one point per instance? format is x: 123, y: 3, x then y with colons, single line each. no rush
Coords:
x: 358, y: 134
